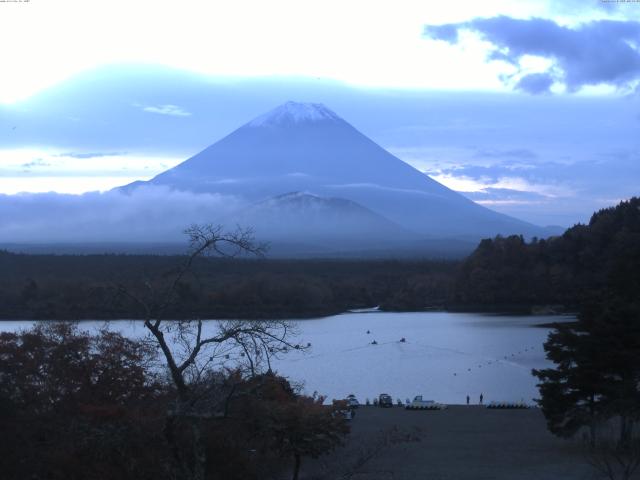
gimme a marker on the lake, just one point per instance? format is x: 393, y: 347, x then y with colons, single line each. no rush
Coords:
x: 445, y: 356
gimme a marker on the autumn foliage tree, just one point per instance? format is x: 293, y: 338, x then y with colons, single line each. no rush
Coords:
x: 293, y: 425
x: 75, y: 405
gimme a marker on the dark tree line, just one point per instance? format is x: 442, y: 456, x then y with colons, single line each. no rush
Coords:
x: 82, y: 286
x: 566, y: 270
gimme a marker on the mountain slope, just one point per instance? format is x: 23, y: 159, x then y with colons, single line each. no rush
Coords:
x: 307, y: 147
x: 325, y: 225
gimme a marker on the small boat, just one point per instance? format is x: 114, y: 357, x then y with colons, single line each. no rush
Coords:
x: 365, y: 310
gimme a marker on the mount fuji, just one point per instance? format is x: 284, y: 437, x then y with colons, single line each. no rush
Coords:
x: 312, y: 178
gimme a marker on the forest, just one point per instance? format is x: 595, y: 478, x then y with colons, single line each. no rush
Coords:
x: 502, y: 274
x: 79, y: 287
x: 565, y: 271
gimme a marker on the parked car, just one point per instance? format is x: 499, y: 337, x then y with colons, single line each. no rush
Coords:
x: 352, y: 401
x: 385, y: 400
x: 421, y: 404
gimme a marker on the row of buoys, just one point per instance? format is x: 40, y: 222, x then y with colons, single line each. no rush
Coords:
x: 489, y: 362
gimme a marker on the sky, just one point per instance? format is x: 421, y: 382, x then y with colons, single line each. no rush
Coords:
x: 529, y: 107
x: 46, y: 42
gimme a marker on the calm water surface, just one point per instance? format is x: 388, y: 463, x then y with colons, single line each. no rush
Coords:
x: 445, y: 356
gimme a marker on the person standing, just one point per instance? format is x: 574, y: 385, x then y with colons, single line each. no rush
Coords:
x: 481, y: 398
x: 467, y: 399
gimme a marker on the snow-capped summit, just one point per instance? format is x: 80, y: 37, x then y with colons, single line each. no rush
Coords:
x: 294, y: 112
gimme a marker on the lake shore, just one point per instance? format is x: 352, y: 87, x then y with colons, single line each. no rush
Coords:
x: 460, y: 442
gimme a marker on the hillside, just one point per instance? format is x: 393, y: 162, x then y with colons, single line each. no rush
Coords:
x: 564, y: 270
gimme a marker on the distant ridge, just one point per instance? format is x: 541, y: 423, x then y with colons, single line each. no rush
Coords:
x: 335, y: 224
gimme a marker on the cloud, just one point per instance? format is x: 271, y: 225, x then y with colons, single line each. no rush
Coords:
x: 594, y: 175
x: 90, y: 154
x: 489, y: 181
x: 38, y: 162
x: 535, y: 83
x: 600, y: 52
x: 520, y: 153
x: 572, y: 7
x: 150, y: 213
x: 173, y: 110
x: 447, y: 32
x: 381, y: 188
x: 506, y: 196
x: 531, y: 200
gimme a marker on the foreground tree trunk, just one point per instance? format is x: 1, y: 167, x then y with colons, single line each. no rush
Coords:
x: 296, y: 465
x: 199, y: 451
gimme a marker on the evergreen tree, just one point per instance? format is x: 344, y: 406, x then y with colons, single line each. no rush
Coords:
x: 572, y: 393
x: 614, y: 324
x: 597, y: 373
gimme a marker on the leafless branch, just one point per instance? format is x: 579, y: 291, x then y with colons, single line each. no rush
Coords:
x: 615, y: 460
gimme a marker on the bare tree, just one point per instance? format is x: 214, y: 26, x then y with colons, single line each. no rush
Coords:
x: 191, y: 349
x: 615, y: 458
